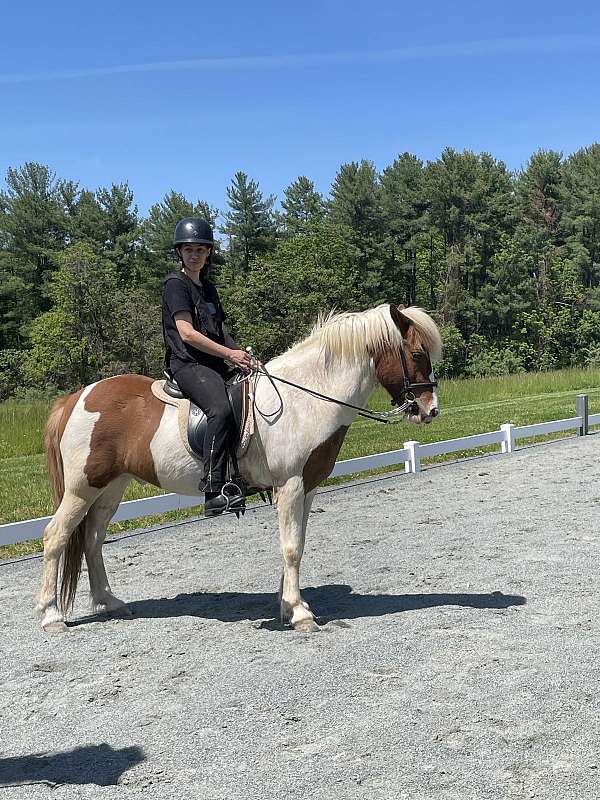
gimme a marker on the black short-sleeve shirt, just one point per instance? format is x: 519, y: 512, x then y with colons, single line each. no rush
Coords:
x: 180, y: 293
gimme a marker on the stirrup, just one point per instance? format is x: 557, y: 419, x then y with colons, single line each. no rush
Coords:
x: 230, y: 499
x: 234, y: 494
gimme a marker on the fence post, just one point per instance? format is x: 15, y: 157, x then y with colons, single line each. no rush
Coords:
x: 582, y: 411
x: 414, y: 465
x: 508, y: 445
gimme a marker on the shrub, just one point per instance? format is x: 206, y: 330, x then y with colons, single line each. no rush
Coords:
x: 591, y: 356
x: 454, y: 352
x: 11, y: 372
x: 491, y: 360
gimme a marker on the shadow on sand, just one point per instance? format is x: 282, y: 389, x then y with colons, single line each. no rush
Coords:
x: 99, y: 764
x: 330, y: 602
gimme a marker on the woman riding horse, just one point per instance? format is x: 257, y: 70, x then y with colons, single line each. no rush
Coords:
x: 102, y: 436
x: 197, y: 347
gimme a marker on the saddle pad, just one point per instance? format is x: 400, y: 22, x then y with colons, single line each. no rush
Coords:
x: 183, y: 409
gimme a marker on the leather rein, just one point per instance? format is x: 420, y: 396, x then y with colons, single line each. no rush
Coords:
x: 387, y: 417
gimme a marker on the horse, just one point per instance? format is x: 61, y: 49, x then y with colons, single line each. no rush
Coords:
x: 101, y: 437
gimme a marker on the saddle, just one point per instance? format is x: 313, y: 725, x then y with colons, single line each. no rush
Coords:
x: 192, y: 420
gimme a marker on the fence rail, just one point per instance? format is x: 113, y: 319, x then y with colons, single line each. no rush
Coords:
x: 411, y: 456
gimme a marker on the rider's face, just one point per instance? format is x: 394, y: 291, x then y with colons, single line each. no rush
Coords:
x: 194, y: 256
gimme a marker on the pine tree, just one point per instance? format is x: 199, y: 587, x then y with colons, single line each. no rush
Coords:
x: 356, y: 206
x: 87, y: 221
x: 539, y: 192
x: 539, y: 201
x: 471, y: 205
x: 249, y: 223
x: 120, y: 213
x: 302, y: 207
x: 580, y: 202
x: 403, y: 206
x: 34, y: 226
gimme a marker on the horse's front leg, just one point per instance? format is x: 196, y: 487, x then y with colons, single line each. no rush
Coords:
x: 293, y: 507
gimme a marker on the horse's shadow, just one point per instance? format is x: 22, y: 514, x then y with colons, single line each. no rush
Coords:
x: 330, y: 602
x: 99, y: 764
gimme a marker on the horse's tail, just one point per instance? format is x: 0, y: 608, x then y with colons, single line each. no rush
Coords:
x: 54, y: 460
x: 72, y: 560
x: 72, y: 556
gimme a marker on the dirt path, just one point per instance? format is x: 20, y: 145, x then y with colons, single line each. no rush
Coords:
x: 459, y: 656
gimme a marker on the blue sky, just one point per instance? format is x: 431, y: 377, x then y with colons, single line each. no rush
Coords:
x: 166, y: 96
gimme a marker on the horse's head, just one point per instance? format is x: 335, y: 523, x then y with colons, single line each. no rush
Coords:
x: 406, y: 371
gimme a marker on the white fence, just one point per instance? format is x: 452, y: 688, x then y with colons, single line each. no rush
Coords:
x: 411, y: 455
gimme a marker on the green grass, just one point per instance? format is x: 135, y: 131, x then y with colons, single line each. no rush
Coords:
x: 21, y: 426
x: 477, y: 406
x: 468, y: 407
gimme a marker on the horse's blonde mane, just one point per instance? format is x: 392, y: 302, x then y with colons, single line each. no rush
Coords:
x: 351, y: 335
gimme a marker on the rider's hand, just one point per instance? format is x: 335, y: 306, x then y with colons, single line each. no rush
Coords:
x: 240, y: 358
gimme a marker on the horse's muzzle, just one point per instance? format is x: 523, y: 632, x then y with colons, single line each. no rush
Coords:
x: 418, y: 415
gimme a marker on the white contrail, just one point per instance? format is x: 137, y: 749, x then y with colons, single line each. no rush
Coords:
x: 484, y: 47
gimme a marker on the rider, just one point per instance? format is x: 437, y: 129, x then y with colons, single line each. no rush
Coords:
x: 197, y: 347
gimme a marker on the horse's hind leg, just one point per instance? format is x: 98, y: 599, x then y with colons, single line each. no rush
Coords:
x: 96, y: 524
x: 67, y: 517
x: 292, y: 508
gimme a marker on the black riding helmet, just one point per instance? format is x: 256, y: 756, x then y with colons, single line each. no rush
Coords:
x: 192, y: 230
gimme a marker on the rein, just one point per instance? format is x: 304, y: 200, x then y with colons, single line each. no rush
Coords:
x: 387, y: 417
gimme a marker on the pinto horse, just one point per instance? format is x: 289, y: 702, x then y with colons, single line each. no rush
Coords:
x: 99, y: 438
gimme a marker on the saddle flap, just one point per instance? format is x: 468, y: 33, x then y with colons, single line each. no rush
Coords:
x: 196, y: 429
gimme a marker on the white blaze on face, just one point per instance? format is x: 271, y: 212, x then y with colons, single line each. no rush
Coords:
x: 434, y: 397
x: 426, y: 409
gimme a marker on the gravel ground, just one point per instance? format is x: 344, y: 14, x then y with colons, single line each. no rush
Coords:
x: 458, y: 656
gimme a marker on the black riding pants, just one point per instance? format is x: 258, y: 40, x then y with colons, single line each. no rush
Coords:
x: 206, y: 387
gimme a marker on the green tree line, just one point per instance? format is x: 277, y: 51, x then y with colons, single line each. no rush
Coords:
x: 508, y: 263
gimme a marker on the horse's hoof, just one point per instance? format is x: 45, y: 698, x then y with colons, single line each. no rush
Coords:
x: 55, y: 627
x: 111, y: 606
x: 306, y: 626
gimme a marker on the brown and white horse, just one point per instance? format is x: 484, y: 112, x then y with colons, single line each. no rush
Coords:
x: 102, y: 436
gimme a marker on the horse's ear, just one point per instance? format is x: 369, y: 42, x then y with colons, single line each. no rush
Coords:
x: 402, y: 322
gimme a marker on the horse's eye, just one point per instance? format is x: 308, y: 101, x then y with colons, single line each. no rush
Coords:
x: 417, y: 355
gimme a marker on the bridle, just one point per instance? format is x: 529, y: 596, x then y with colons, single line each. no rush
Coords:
x: 387, y: 417
x: 407, y: 386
